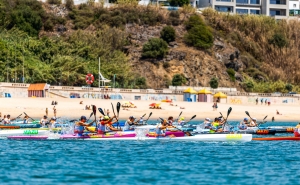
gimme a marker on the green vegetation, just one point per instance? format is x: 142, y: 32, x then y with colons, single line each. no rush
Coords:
x: 248, y: 84
x: 178, y: 80
x: 168, y: 34
x: 214, y: 83
x: 57, y: 2
x: 289, y: 87
x: 155, y: 48
x: 199, y: 35
x: 231, y: 74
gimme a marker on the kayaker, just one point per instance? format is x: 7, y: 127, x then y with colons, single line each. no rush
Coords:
x: 44, y: 121
x: 141, y: 121
x: 207, y: 124
x: 52, y: 122
x: 253, y: 123
x: 243, y: 124
x: 25, y: 120
x: 80, y: 125
x: 129, y: 123
x: 161, y: 129
x: 181, y: 121
x: 170, y: 121
x: 106, y: 125
x: 7, y: 120
x: 297, y: 128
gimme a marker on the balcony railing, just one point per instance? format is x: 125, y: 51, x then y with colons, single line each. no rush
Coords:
x: 278, y: 2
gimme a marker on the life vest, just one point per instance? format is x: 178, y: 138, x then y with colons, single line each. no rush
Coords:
x: 79, y: 130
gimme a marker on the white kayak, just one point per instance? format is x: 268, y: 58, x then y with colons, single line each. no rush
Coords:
x: 22, y: 132
x: 200, y: 137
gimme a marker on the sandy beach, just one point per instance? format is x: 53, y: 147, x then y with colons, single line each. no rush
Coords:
x: 71, y: 108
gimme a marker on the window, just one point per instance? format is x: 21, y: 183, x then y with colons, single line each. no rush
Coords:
x: 242, y: 11
x: 255, y: 2
x: 224, y: 8
x: 294, y: 5
x: 256, y: 12
x: 242, y: 1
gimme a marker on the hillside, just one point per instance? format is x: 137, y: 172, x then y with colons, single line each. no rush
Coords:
x: 59, y: 44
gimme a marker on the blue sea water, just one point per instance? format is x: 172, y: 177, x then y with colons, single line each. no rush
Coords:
x: 149, y: 162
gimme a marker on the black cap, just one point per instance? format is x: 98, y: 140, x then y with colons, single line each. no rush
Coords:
x: 82, y: 117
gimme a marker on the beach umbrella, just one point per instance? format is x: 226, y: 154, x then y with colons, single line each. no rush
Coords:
x: 152, y: 104
x: 204, y: 91
x: 190, y: 91
x: 220, y: 95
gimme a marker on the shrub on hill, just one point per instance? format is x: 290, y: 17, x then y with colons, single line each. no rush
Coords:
x: 168, y: 34
x: 178, y: 2
x: 178, y: 80
x: 54, y: 2
x: 231, y: 74
x: 199, y: 35
x: 155, y: 48
x: 214, y: 83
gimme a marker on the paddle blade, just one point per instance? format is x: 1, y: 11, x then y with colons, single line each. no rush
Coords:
x: 144, y: 115
x: 221, y: 115
x: 265, y: 117
x: 180, y: 114
x: 94, y: 109
x: 229, y: 111
x: 101, y: 111
x: 112, y: 106
x: 193, y: 117
x: 161, y: 119
x: 247, y: 113
x: 118, y: 107
x: 91, y: 114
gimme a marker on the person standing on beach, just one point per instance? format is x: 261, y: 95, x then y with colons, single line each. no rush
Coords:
x: 261, y: 101
x: 269, y: 102
x: 47, y: 112
x: 256, y: 101
x: 266, y: 101
x: 54, y: 111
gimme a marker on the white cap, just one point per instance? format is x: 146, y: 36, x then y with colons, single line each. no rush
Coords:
x: 254, y: 119
x: 207, y: 119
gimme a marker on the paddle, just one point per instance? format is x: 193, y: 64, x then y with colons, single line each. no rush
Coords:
x: 90, y: 116
x: 94, y: 112
x: 263, y: 121
x: 148, y: 118
x: 101, y: 111
x: 115, y: 114
x: 28, y: 116
x: 190, y: 119
x: 178, y: 116
x: 118, y: 108
x: 248, y: 114
x: 19, y: 116
x: 228, y: 113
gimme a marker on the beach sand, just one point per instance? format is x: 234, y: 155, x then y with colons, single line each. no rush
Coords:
x: 70, y: 108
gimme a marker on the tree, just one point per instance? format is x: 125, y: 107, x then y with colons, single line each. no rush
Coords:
x: 141, y: 82
x: 178, y: 80
x: 248, y: 85
x: 289, y: 87
x: 168, y: 34
x: 178, y: 2
x: 155, y: 48
x: 194, y: 20
x: 214, y: 83
x: 199, y: 36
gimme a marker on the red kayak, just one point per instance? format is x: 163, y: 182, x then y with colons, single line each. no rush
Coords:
x: 296, y: 134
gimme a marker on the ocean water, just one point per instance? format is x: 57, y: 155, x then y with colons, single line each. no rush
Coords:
x: 149, y: 162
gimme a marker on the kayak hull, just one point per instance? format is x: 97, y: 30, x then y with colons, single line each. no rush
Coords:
x: 27, y: 137
x: 277, y: 139
x: 23, y: 132
x: 200, y: 137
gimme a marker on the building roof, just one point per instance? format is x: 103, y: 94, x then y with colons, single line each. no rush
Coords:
x: 220, y: 95
x: 190, y: 90
x: 204, y: 91
x: 37, y: 87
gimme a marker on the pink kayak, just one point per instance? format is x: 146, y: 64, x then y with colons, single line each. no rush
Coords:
x: 28, y: 137
x: 115, y: 135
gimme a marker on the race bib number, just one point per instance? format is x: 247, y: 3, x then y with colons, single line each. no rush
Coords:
x: 31, y: 132
x: 234, y: 136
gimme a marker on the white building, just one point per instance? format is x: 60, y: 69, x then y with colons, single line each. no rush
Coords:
x: 276, y: 8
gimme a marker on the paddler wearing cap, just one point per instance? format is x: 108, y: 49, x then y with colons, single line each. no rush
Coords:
x: 207, y: 124
x: 106, y: 125
x: 181, y: 121
x: 129, y: 123
x: 252, y: 123
x: 243, y: 124
x: 44, y: 121
x: 80, y: 125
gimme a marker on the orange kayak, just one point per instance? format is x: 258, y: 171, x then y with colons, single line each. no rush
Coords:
x: 9, y: 127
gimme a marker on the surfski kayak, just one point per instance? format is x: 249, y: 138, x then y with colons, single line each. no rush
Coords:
x: 22, y: 132
x: 200, y: 137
